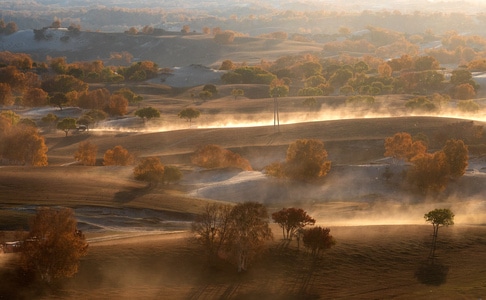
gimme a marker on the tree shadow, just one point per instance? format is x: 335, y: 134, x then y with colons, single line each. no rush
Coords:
x: 432, y: 273
x: 131, y: 194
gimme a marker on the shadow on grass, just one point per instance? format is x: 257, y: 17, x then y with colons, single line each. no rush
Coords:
x: 131, y: 194
x: 430, y: 273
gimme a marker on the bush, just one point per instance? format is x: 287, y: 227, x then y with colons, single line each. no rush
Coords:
x: 118, y: 156
x: 86, y: 153
x: 214, y: 156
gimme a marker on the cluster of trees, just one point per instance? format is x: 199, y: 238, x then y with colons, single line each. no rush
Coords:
x: 86, y: 154
x: 306, y: 160
x: 151, y: 170
x: 8, y: 28
x: 429, y: 171
x: 239, y: 233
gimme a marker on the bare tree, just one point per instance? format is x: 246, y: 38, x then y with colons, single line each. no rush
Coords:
x: 211, y: 229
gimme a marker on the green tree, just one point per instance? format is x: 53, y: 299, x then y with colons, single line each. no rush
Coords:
x: 172, y: 174
x: 438, y: 217
x: 429, y: 172
x: 278, y: 89
x: 189, y: 114
x: 58, y: 99
x: 51, y: 120
x: 148, y: 113
x: 237, y: 92
x: 66, y: 125
x: 210, y: 88
x: 205, y: 95
x: 291, y: 220
x: 54, y: 245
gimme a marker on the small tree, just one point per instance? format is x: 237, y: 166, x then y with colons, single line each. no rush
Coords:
x: 210, y: 88
x: 189, y: 114
x: 291, y: 220
x: 172, y: 174
x: 307, y: 160
x: 147, y: 113
x: 149, y: 169
x: 214, y: 156
x: 457, y: 157
x: 118, y: 156
x: 317, y: 239
x: 205, y: 95
x: 237, y: 92
x: 402, y: 146
x: 438, y: 217
x: 278, y: 89
x: 54, y: 246
x: 211, y: 229
x: 59, y: 99
x: 66, y: 125
x: 86, y: 153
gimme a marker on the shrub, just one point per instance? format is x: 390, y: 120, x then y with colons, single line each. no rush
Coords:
x: 214, y: 156
x: 118, y: 156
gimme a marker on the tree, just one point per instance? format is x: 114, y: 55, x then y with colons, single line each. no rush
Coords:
x: 86, y: 153
x: 117, y: 105
x: 468, y: 106
x: 402, y: 146
x: 214, y: 156
x: 189, y: 114
x: 237, y: 92
x: 277, y: 89
x: 66, y: 124
x: 118, y: 156
x: 24, y: 145
x: 205, y: 95
x: 5, y: 94
x: 53, y: 246
x: 210, y: 88
x: 307, y: 160
x: 457, y: 157
x: 34, y: 97
x: 291, y: 220
x: 149, y: 169
x: 51, y: 120
x: 317, y: 239
x: 227, y: 65
x: 147, y: 113
x: 211, y: 229
x: 85, y: 120
x: 438, y: 217
x: 429, y: 172
x: 425, y: 63
x: 58, y: 99
x: 129, y: 95
x: 463, y: 91
x: 248, y: 232
x: 172, y: 174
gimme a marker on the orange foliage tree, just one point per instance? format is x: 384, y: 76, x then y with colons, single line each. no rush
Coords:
x: 214, y: 156
x: 86, y: 153
x: 35, y: 97
x: 306, y: 160
x: 149, y: 169
x: 402, y: 146
x: 457, y: 157
x: 53, y: 246
x: 118, y: 156
x: 429, y: 172
x: 117, y: 105
x: 23, y: 144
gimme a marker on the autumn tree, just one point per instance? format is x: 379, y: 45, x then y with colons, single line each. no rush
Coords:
x: 117, y: 105
x: 50, y: 120
x: 429, y: 172
x: 118, y: 156
x: 54, y: 245
x: 457, y: 157
x: 306, y: 159
x: 189, y: 114
x: 214, y: 156
x: 438, y: 217
x: 463, y: 91
x: 149, y: 169
x: 248, y: 232
x: 147, y: 113
x: 34, y: 97
x: 402, y: 146
x: 6, y: 97
x: 129, y: 95
x: 23, y: 145
x: 468, y: 106
x: 211, y: 229
x: 86, y: 153
x: 291, y: 220
x: 317, y: 239
x: 66, y: 125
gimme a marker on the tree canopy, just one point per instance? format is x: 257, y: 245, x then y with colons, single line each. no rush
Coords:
x: 148, y: 113
x: 53, y: 246
x: 291, y: 220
